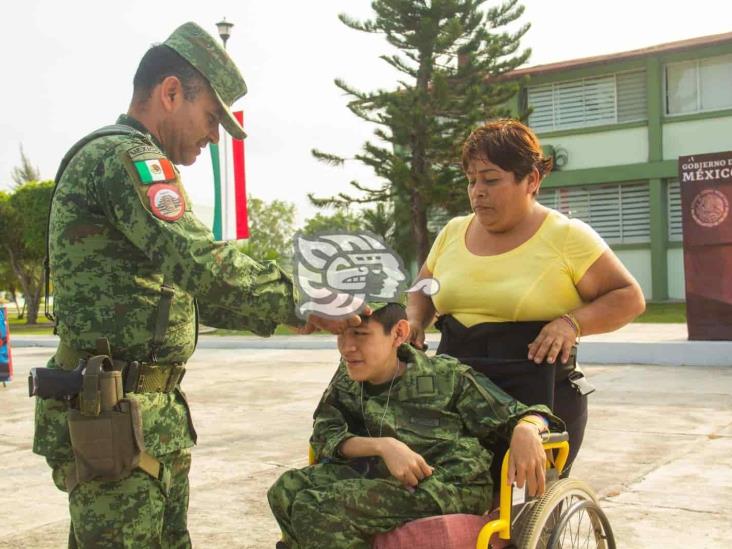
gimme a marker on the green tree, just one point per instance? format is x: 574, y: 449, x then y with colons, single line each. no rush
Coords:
x: 8, y: 281
x: 26, y: 171
x: 452, y: 54
x: 341, y: 220
x: 23, y: 225
x: 271, y: 227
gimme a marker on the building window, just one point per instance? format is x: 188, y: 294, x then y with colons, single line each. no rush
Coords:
x: 699, y: 85
x: 673, y: 211
x: 619, y: 213
x: 610, y: 99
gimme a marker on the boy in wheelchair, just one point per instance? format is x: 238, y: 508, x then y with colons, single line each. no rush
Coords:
x: 399, y: 436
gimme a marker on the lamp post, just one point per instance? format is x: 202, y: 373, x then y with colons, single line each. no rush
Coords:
x: 224, y: 28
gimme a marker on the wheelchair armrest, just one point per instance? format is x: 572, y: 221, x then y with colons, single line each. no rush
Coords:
x: 559, y: 442
x: 550, y: 441
x: 549, y: 438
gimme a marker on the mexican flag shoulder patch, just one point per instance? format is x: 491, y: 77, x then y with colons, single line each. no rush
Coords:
x: 154, y: 170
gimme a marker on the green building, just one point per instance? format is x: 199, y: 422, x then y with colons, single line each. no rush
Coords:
x: 616, y: 125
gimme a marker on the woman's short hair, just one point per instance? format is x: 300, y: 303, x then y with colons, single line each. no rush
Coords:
x: 508, y: 144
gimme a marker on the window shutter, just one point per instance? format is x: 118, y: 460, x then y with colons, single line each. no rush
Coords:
x: 540, y: 99
x: 673, y: 202
x: 589, y: 102
x: 632, y: 96
x: 605, y: 216
x: 599, y: 101
x: 636, y: 213
x: 619, y: 213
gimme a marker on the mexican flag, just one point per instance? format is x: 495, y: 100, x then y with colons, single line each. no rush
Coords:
x: 157, y: 169
x: 230, y: 197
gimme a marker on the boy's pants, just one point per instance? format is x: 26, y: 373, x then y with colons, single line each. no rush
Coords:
x: 335, y: 506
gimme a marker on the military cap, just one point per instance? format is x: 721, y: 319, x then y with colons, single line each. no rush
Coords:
x: 202, y: 51
x: 377, y: 305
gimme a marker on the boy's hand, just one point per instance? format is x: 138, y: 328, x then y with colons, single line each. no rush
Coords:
x: 527, y: 461
x: 404, y: 464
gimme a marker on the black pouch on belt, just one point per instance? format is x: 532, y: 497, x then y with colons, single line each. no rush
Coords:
x: 106, y: 430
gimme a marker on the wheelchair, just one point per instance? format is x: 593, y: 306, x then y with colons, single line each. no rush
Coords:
x: 567, y: 515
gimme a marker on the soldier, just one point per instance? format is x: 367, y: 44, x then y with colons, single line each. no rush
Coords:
x: 398, y: 436
x: 132, y: 265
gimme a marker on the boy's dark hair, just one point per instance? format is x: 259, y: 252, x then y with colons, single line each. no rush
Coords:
x: 159, y: 62
x: 387, y: 316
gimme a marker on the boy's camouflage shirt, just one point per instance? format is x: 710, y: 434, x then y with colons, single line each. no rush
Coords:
x: 436, y: 409
x: 110, y: 254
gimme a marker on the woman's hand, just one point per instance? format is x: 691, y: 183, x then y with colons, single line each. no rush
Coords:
x: 527, y: 460
x: 420, y: 312
x: 404, y: 464
x: 555, y: 339
x: 416, y: 335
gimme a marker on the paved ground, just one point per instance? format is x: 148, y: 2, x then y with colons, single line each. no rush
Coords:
x: 662, y: 344
x: 658, y: 449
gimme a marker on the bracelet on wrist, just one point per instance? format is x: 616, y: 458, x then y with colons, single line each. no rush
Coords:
x: 538, y: 421
x: 572, y: 321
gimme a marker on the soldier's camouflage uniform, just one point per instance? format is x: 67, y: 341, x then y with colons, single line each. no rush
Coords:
x: 441, y: 409
x: 110, y: 255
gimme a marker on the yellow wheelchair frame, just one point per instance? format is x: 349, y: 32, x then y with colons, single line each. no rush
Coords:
x: 502, y: 525
x: 549, y: 519
x: 544, y: 507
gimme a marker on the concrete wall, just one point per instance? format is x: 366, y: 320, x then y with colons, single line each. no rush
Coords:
x: 676, y: 283
x: 697, y: 136
x: 607, y: 148
x: 638, y: 262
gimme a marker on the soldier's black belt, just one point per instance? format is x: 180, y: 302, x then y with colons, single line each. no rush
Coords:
x: 138, y: 376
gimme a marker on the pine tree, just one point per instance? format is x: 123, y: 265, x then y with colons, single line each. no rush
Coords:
x: 452, y: 56
x: 26, y: 171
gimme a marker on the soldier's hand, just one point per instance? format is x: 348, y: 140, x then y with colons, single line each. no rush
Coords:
x: 315, y: 323
x: 527, y: 460
x: 404, y: 464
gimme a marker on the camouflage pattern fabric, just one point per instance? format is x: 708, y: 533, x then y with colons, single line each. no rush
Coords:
x: 438, y: 411
x: 334, y: 505
x: 134, y: 512
x: 111, y: 253
x: 205, y: 53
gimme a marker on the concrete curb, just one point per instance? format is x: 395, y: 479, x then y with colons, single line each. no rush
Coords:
x: 667, y: 353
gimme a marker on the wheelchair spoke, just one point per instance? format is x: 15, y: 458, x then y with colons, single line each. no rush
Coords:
x: 568, y: 518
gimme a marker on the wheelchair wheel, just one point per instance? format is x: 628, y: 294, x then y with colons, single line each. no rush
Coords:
x: 566, y: 516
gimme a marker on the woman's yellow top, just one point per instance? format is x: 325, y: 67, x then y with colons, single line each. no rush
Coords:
x: 534, y: 281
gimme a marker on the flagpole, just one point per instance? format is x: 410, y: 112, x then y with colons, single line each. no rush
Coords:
x: 224, y: 28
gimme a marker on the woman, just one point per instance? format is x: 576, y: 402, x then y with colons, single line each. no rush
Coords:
x: 519, y: 282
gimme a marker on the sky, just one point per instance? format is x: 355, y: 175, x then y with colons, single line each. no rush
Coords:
x: 67, y: 68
